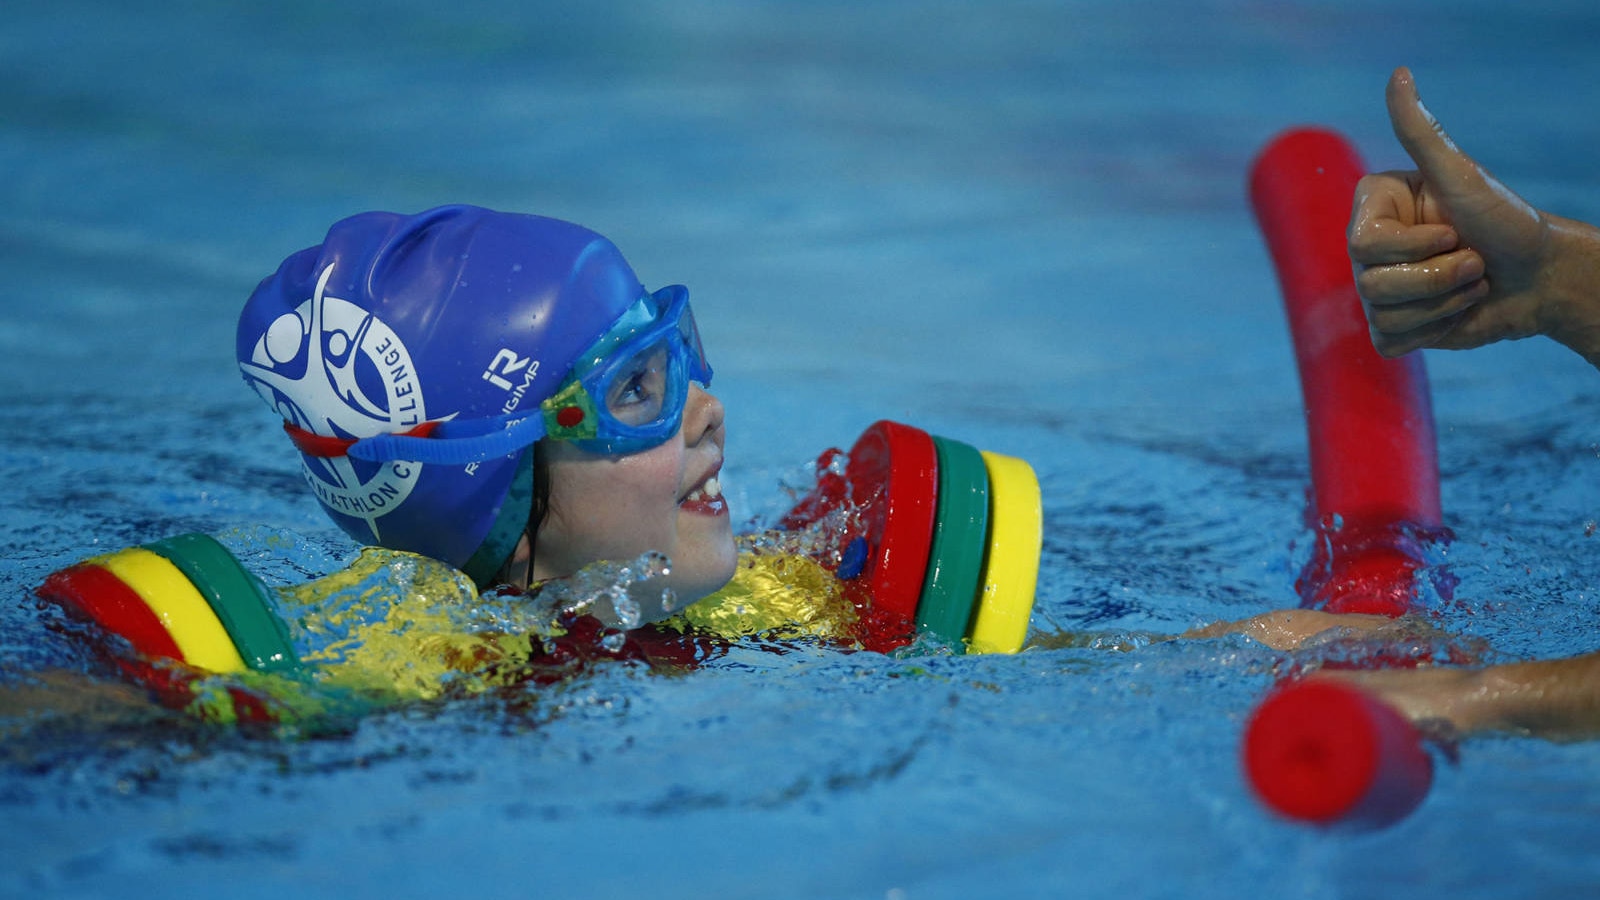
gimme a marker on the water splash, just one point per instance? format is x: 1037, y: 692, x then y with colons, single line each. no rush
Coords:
x: 609, y: 591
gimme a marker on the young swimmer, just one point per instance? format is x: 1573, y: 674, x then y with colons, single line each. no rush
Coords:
x: 498, y: 392
x: 522, y: 435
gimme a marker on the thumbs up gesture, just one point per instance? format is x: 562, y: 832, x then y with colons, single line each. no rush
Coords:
x: 1446, y: 256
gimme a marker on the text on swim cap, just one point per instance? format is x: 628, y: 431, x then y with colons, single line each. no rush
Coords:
x: 507, y: 363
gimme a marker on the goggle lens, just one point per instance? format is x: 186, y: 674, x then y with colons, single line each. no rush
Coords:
x: 643, y: 384
x: 638, y: 392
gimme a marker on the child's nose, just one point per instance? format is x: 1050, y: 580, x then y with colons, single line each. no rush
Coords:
x: 703, y: 414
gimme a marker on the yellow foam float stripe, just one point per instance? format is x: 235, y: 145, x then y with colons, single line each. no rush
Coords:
x: 186, y: 615
x: 1011, y: 572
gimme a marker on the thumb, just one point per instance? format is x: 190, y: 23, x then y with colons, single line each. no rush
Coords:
x: 1450, y: 173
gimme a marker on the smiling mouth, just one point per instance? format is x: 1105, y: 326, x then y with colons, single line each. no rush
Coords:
x: 709, y: 491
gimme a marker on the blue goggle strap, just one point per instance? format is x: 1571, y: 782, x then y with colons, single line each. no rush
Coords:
x: 455, y: 443
x: 568, y: 415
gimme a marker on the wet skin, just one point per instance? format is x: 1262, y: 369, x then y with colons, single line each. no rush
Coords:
x: 666, y: 498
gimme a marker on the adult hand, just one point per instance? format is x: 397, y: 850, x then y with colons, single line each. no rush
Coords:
x: 1446, y: 256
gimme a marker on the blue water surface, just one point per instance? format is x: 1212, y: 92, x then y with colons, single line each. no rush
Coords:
x: 1019, y: 223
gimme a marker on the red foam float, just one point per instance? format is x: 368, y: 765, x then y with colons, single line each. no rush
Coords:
x: 1317, y: 752
x: 1330, y: 754
x: 891, y: 482
x: 1369, y: 420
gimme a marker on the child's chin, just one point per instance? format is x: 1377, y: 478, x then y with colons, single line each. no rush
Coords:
x: 696, y: 589
x: 698, y: 592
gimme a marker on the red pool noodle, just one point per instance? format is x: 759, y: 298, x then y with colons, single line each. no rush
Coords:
x: 1319, y: 752
x: 1332, y: 755
x: 1369, y: 420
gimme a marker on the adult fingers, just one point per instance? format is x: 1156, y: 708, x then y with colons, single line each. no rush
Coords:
x: 1429, y: 335
x: 1407, y: 282
x: 1377, y: 240
x: 1402, y: 320
x: 1384, y: 224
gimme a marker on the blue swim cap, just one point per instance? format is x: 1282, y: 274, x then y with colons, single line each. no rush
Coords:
x: 456, y: 313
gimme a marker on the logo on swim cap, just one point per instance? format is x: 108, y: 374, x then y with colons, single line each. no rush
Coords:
x: 335, y: 369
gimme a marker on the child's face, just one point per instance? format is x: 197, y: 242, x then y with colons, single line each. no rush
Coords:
x: 617, y: 507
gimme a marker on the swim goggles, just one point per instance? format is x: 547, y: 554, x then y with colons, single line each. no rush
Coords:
x: 626, y: 393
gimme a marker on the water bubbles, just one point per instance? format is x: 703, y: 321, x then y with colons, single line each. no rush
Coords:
x: 613, y: 592
x: 628, y: 614
x: 836, y: 464
x: 403, y: 568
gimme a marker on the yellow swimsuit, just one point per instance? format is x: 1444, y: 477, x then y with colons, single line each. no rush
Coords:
x: 399, y: 626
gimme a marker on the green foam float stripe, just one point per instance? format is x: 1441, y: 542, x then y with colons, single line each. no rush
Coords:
x: 240, y: 601
x: 960, y: 537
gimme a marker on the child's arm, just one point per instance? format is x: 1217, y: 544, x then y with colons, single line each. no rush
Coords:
x: 1280, y: 629
x: 60, y: 693
x: 1286, y: 629
x: 1448, y: 257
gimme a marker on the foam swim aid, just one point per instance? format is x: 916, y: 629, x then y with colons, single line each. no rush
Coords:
x: 923, y: 535
x: 1315, y: 751
x: 1329, y: 754
x: 187, y: 601
x: 1369, y: 420
x: 934, y: 538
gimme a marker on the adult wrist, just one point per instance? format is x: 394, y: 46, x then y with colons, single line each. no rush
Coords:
x: 1572, y: 286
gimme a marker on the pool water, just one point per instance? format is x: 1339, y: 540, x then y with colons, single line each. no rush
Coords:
x: 1021, y: 224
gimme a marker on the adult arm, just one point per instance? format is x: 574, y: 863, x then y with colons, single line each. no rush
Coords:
x: 1446, y: 256
x: 1557, y: 699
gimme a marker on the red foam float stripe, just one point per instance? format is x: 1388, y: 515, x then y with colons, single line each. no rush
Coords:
x: 1330, y: 754
x: 1374, y: 464
x: 94, y: 592
x: 891, y: 478
x: 905, y: 461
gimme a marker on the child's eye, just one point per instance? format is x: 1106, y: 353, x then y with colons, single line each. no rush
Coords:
x: 637, y: 392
